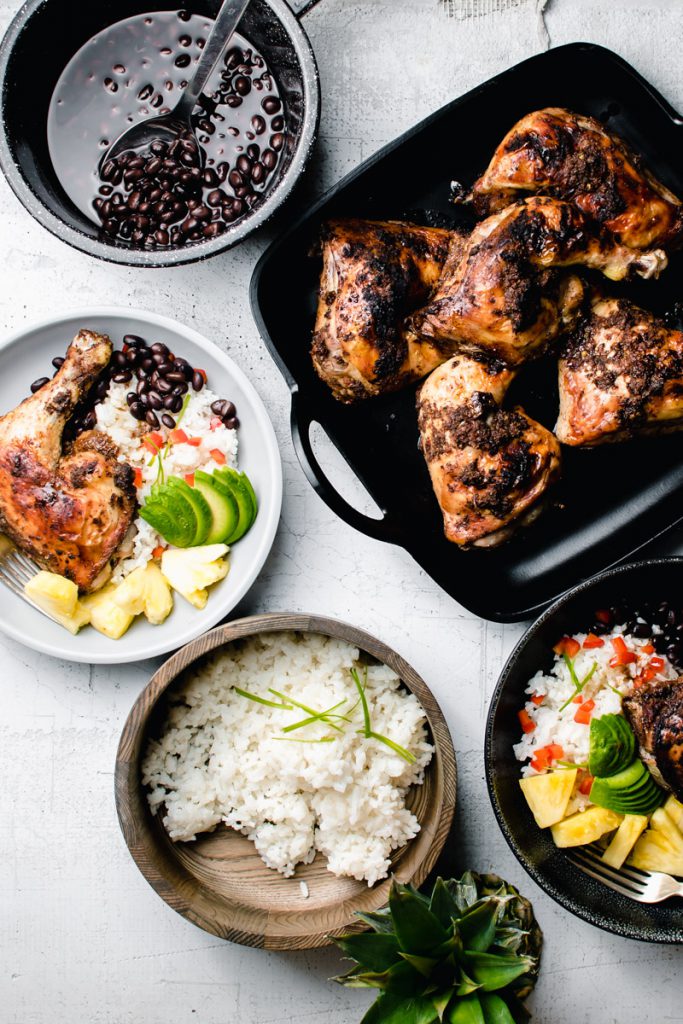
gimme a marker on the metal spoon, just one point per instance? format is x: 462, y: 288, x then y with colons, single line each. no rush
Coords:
x: 169, y: 126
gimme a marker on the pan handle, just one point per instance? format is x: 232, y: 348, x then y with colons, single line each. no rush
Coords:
x: 301, y: 423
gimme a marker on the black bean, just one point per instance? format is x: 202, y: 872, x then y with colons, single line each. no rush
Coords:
x: 233, y: 101
x: 57, y: 362
x: 258, y: 173
x: 152, y: 418
x: 185, y: 40
x: 159, y: 358
x: 258, y: 124
x: 234, y: 57
x: 197, y: 381
x: 235, y: 179
x: 154, y: 400
x: 111, y: 85
x: 159, y: 148
x: 141, y: 387
x: 271, y: 104
x: 102, y: 388
x: 217, y: 407
x: 241, y: 85
x: 180, y: 389
x: 269, y: 159
x: 169, y: 402
x: 222, y: 170
x: 119, y: 358
x: 123, y: 377
x: 131, y: 397
x: 202, y: 212
x: 253, y: 151
x: 168, y: 421
x: 145, y: 92
x: 183, y: 60
x: 176, y: 377
x: 164, y: 387
x: 229, y: 410
x: 38, y: 384
x: 164, y: 368
x: 277, y: 141
x: 232, y: 423
x: 277, y: 124
x: 642, y: 630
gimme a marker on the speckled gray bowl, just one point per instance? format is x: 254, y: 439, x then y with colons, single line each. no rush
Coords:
x: 549, y: 867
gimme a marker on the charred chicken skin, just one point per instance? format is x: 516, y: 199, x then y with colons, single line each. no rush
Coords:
x: 574, y: 157
x: 67, y: 510
x: 374, y: 274
x: 620, y: 373
x: 490, y: 467
x: 656, y: 717
x: 504, y: 293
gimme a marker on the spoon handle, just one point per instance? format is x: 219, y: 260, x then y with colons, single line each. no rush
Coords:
x: 224, y: 26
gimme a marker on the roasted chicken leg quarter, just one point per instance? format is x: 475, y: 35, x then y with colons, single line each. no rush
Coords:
x: 67, y: 510
x: 574, y: 157
x: 490, y: 468
x: 656, y: 716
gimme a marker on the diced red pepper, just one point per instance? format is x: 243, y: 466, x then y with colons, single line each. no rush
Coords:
x: 158, y: 551
x: 538, y: 699
x: 189, y: 479
x: 583, y: 714
x: 586, y: 785
x: 567, y: 645
x: 138, y: 477
x: 525, y: 721
x: 578, y: 699
x: 545, y: 755
x: 604, y: 616
x: 218, y: 456
x: 555, y: 751
x: 215, y: 423
x: 153, y: 442
x: 178, y: 436
x: 194, y: 441
x: 198, y: 369
x: 647, y: 649
x: 593, y: 641
x: 622, y: 655
x: 657, y: 663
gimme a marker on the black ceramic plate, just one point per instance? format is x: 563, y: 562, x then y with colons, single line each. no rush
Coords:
x: 612, y: 500
x: 643, y: 581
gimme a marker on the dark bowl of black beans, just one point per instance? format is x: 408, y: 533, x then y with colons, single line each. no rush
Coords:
x: 73, y: 78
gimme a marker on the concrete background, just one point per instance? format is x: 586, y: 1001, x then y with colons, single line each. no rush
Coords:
x: 83, y: 939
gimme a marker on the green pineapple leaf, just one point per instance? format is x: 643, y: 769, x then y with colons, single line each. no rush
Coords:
x: 441, y: 1001
x: 401, y: 978
x: 442, y: 904
x: 380, y: 921
x: 466, y: 985
x: 496, y: 1010
x: 418, y: 930
x: 374, y: 952
x: 493, y: 971
x: 424, y: 964
x: 466, y: 1011
x: 394, y: 1009
x: 477, y: 927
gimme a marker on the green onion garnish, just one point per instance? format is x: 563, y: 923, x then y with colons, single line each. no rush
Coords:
x: 367, y: 729
x: 262, y: 700
x: 578, y: 683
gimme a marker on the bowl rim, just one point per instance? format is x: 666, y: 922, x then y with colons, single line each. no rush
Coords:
x: 128, y: 785
x: 121, y: 255
x: 219, y: 610
x: 598, y: 918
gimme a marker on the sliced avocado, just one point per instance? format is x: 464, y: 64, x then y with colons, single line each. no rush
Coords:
x: 630, y: 791
x: 252, y: 492
x: 224, y: 511
x: 200, y: 505
x: 172, y: 516
x: 228, y: 480
x: 627, y: 777
x: 612, y: 745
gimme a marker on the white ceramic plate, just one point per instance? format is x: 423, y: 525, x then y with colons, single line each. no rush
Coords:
x: 27, y: 355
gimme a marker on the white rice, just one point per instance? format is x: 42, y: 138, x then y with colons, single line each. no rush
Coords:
x: 114, y: 418
x: 607, y: 687
x: 223, y: 758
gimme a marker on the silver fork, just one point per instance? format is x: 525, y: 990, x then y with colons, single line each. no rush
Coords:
x: 15, y: 572
x: 642, y: 886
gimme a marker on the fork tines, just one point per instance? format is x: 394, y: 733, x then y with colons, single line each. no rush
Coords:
x: 627, y: 880
x: 16, y: 570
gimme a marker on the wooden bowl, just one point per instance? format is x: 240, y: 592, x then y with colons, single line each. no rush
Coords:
x: 219, y: 882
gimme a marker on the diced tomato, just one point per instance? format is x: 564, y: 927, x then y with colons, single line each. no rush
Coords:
x: 647, y: 649
x: 178, y: 436
x: 555, y: 751
x: 604, y: 616
x: 215, y: 423
x: 622, y: 655
x: 545, y: 755
x: 189, y: 479
x: 538, y: 699
x: 578, y: 699
x: 198, y: 369
x: 657, y: 663
x: 586, y: 785
x: 194, y: 441
x: 158, y: 551
x: 583, y: 714
x: 153, y: 442
x: 525, y: 721
x: 593, y: 641
x: 567, y: 645
x: 138, y: 477
x: 218, y: 456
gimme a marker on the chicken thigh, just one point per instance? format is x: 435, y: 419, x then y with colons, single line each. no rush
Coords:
x: 574, y: 157
x: 504, y: 295
x: 489, y: 467
x: 374, y: 274
x: 620, y: 373
x: 656, y: 716
x: 68, y: 511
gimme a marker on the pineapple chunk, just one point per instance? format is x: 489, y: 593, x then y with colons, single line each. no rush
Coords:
x: 654, y: 852
x: 106, y: 615
x: 59, y: 598
x: 585, y: 827
x: 675, y: 811
x: 625, y: 839
x: 548, y: 795
x: 145, y: 591
x: 191, y: 570
x: 661, y: 822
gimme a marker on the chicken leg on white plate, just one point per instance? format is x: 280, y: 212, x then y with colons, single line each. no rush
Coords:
x: 67, y: 509
x: 620, y: 374
x: 490, y: 467
x: 574, y: 157
x: 507, y: 293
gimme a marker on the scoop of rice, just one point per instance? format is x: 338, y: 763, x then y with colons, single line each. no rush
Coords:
x: 222, y: 757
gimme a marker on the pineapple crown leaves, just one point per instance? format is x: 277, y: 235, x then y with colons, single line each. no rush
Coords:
x: 467, y: 954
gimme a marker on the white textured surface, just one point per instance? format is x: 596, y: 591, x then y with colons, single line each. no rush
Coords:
x: 83, y: 939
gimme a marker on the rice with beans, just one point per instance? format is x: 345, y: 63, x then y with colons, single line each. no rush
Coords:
x: 198, y: 422
x: 222, y: 757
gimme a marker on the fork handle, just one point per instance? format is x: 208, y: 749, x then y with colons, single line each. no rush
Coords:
x: 227, y: 20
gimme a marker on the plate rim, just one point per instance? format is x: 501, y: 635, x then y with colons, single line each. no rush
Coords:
x: 162, y: 647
